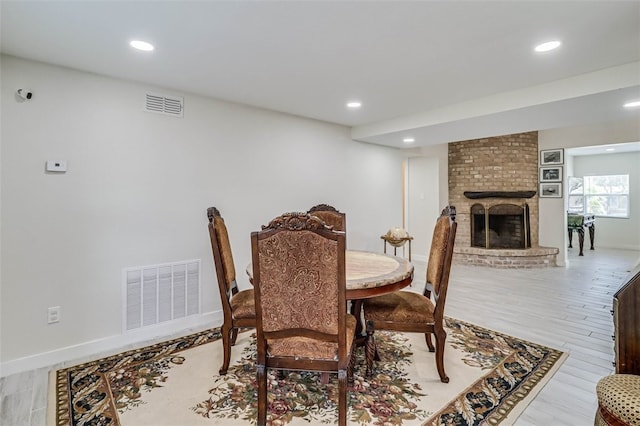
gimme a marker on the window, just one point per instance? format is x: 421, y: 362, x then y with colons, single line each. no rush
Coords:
x: 600, y: 195
x: 576, y: 195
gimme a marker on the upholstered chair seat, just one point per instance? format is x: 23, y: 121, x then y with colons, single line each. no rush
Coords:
x: 302, y: 347
x: 243, y: 305
x: 401, y: 306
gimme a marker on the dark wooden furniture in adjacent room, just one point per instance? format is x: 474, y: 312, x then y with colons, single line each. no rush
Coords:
x: 577, y: 222
x: 619, y: 393
x: 626, y: 320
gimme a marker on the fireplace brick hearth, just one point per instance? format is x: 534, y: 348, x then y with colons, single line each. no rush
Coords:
x: 501, y: 171
x: 538, y: 257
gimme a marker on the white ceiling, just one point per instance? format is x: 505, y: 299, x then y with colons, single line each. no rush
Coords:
x: 614, y: 148
x: 437, y: 70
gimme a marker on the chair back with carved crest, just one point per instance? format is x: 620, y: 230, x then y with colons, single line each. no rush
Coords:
x: 330, y: 215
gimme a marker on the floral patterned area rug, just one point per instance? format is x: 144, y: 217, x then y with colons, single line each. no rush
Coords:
x: 493, y: 377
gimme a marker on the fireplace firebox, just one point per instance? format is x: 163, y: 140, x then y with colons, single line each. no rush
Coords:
x: 501, y: 226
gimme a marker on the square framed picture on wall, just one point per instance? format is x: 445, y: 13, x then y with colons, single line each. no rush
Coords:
x: 551, y: 174
x: 550, y: 157
x: 551, y: 190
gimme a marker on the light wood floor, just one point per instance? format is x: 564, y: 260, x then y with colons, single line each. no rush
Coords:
x: 564, y: 308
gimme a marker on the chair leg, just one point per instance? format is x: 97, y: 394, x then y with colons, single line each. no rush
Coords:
x: 261, y: 377
x: 324, y: 377
x: 370, y: 349
x: 427, y: 337
x: 226, y: 345
x: 441, y: 337
x: 350, y: 367
x: 234, y: 335
x: 342, y: 398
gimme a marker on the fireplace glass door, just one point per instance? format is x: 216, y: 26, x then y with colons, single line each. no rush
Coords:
x: 503, y: 226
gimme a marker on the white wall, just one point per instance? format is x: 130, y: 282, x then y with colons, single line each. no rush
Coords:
x: 553, y: 231
x: 136, y: 192
x: 621, y: 233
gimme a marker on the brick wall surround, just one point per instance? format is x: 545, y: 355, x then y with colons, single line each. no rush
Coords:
x: 501, y: 163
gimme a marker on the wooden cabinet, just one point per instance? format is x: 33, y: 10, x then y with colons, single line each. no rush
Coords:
x: 626, y: 320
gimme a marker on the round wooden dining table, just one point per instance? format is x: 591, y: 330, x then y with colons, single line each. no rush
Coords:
x: 370, y: 274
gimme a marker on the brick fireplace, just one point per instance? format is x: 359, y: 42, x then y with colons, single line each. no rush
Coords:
x: 493, y: 185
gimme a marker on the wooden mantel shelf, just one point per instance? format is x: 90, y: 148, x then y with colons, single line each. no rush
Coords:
x: 498, y: 194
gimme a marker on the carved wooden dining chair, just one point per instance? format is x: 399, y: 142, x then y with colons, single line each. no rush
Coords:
x: 300, y: 292
x: 330, y: 215
x: 238, y: 307
x: 413, y: 312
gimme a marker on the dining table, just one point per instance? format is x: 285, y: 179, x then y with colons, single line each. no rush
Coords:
x: 369, y: 274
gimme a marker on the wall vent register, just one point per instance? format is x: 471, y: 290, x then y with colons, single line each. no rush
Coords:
x: 159, y: 293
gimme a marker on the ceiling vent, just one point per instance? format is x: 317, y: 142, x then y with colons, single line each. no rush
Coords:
x: 167, y: 105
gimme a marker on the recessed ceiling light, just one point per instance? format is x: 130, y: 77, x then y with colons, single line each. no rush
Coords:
x: 354, y: 104
x: 632, y: 104
x: 545, y: 47
x: 408, y: 140
x: 141, y: 45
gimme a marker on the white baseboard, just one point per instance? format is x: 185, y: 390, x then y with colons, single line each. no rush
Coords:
x: 86, y: 351
x: 609, y: 246
x: 416, y: 258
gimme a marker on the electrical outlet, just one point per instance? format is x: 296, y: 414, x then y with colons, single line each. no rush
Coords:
x: 53, y: 314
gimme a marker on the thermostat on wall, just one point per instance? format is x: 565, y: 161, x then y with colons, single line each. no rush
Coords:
x: 56, y: 166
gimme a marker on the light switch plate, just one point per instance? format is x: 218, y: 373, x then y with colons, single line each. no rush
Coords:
x: 56, y: 166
